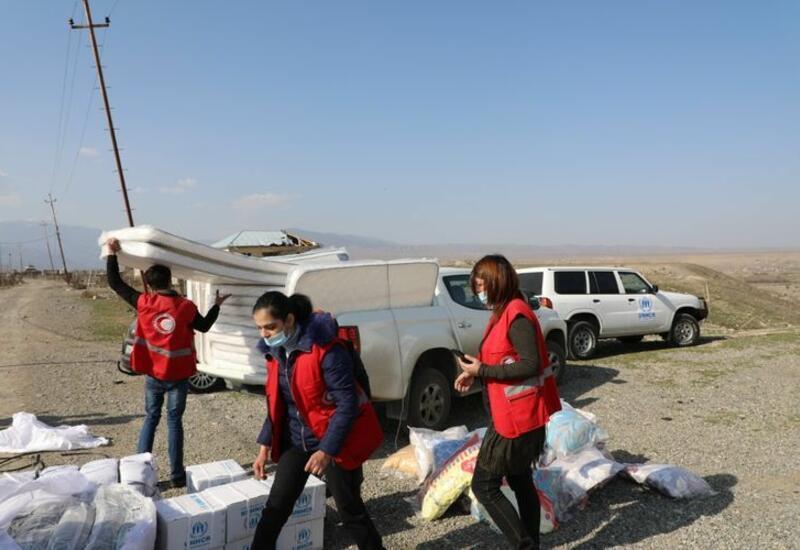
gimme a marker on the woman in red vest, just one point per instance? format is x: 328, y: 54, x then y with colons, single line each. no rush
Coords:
x: 319, y: 421
x: 521, y: 393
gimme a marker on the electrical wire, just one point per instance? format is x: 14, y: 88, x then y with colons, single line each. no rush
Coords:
x: 39, y: 239
x: 61, y: 107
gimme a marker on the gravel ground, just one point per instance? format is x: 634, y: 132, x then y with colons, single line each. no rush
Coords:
x: 727, y: 409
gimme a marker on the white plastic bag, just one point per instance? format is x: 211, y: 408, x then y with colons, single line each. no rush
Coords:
x: 139, y: 471
x: 27, y: 434
x: 670, y: 480
x: 124, y: 520
x: 102, y: 472
x: 569, y: 431
x: 51, y: 488
x: 424, y: 441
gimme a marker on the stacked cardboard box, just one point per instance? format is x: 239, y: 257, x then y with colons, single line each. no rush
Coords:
x: 203, y: 476
x: 227, y: 516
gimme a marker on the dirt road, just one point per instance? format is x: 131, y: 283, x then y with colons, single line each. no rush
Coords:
x: 727, y: 409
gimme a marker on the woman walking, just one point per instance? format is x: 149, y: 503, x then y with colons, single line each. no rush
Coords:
x: 521, y: 393
x: 319, y: 420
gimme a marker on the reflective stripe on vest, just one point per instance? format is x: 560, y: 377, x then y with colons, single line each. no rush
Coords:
x: 171, y: 353
x: 529, y: 383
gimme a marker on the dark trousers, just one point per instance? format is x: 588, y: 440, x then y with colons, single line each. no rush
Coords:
x: 176, y: 404
x: 290, y: 479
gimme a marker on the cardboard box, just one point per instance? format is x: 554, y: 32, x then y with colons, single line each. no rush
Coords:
x: 173, y: 525
x: 202, y: 476
x: 190, y: 522
x: 237, y: 525
x: 256, y: 493
x: 306, y: 535
x: 311, y: 502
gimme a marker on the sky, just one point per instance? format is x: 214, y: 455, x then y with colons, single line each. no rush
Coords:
x: 617, y: 123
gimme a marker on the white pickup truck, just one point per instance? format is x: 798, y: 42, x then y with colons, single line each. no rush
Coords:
x: 406, y: 350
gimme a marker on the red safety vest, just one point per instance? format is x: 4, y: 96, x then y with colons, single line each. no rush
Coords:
x: 164, y: 343
x: 316, y: 408
x: 517, y: 406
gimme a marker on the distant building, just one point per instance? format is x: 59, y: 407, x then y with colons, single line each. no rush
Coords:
x: 264, y: 243
x: 31, y: 271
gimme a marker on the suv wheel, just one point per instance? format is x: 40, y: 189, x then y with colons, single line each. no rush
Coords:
x: 558, y: 359
x: 204, y: 383
x: 582, y: 340
x: 429, y: 400
x: 685, y: 330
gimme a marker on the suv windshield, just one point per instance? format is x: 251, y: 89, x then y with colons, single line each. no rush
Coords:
x: 461, y: 292
x: 633, y: 283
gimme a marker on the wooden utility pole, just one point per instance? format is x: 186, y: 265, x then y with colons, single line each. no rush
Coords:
x: 51, y: 201
x: 47, y: 242
x: 92, y: 26
x: 19, y: 253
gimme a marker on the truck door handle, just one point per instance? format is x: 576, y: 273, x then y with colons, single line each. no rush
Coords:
x: 596, y: 301
x: 631, y: 299
x: 464, y: 324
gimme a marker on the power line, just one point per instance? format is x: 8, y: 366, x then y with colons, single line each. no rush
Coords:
x: 61, y: 109
x: 112, y: 131
x: 40, y: 239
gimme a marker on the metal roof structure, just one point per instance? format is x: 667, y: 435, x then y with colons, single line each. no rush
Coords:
x: 255, y: 238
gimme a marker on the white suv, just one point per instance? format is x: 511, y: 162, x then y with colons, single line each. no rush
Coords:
x: 613, y: 302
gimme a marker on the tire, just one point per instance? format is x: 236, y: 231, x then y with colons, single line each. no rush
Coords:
x: 631, y: 339
x: 685, y: 331
x: 582, y: 340
x: 204, y: 383
x: 558, y: 359
x: 429, y: 399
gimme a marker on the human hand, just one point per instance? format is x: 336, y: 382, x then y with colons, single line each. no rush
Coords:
x: 470, y: 365
x: 318, y: 462
x: 219, y: 300
x: 259, y: 466
x: 113, y: 245
x: 464, y: 382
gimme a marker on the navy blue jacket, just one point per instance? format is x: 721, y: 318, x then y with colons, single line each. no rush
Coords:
x: 337, y: 372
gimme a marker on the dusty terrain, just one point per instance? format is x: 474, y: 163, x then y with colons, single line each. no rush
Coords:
x: 726, y: 409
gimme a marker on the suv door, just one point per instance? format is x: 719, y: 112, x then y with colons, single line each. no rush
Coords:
x: 469, y: 314
x: 611, y: 306
x: 648, y: 313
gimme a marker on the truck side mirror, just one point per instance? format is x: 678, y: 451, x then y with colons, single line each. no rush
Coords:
x: 654, y: 289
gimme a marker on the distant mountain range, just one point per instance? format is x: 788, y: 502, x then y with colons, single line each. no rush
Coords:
x: 82, y: 252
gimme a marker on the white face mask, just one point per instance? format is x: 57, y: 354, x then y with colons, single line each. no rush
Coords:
x: 483, y: 297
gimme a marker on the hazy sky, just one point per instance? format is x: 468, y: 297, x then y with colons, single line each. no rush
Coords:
x: 668, y: 123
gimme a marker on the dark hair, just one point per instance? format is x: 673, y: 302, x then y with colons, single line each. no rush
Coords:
x: 280, y: 305
x: 500, y: 280
x: 158, y: 277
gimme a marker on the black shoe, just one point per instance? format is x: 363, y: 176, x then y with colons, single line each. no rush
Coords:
x: 178, y: 483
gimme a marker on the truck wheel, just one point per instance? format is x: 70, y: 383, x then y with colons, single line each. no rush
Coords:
x: 582, y: 340
x: 685, y: 331
x: 631, y: 339
x: 558, y: 359
x: 429, y: 401
x: 204, y: 383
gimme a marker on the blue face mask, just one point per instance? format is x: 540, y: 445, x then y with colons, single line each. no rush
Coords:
x: 483, y: 297
x: 277, y: 340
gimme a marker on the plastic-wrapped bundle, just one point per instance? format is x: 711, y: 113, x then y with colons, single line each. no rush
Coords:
x: 446, y: 484
x: 569, y: 431
x: 139, y: 471
x: 672, y: 481
x: 33, y: 529
x: 424, y: 440
x: 124, y: 520
x: 102, y: 472
x: 73, y: 529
